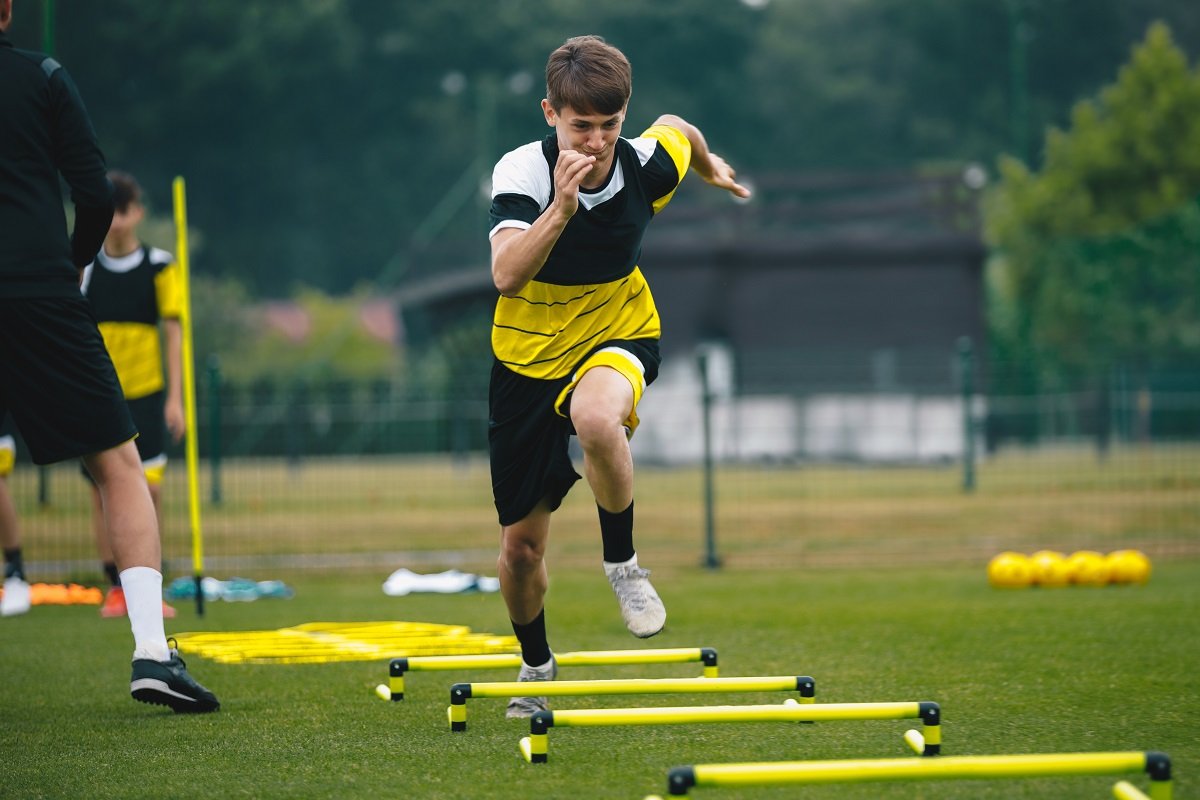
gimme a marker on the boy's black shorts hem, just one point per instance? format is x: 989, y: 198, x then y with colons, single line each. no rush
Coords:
x: 57, y: 381
x: 151, y: 424
x: 528, y: 440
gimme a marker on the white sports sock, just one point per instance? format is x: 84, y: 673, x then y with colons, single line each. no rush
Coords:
x: 143, y: 598
x: 610, y: 566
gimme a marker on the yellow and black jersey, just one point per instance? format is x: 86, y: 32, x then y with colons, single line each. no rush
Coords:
x: 590, y: 289
x: 129, y: 295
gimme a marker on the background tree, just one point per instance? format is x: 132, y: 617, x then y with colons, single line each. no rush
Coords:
x: 1100, y: 249
x: 319, y: 136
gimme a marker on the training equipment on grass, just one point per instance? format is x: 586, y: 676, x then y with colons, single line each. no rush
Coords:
x: 1128, y: 566
x: 461, y: 692
x: 681, y: 780
x: 927, y: 742
x: 1087, y: 568
x: 1049, y: 569
x: 323, y: 642
x: 583, y: 658
x: 1009, y: 570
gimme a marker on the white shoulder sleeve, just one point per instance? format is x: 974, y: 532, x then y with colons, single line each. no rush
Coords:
x: 523, y: 171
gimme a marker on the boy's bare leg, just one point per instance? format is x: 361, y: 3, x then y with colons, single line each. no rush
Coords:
x: 17, y: 598
x: 523, y: 583
x: 600, y: 405
x: 522, y: 567
x: 127, y: 508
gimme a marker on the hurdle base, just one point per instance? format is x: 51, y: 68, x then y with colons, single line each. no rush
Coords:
x: 383, y: 692
x: 916, y: 740
x: 1124, y: 790
x: 526, y: 745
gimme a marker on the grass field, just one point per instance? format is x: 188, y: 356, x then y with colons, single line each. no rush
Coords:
x: 783, y: 515
x: 1015, y: 671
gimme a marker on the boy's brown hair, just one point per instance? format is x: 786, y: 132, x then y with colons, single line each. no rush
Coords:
x: 126, y: 190
x: 589, y: 75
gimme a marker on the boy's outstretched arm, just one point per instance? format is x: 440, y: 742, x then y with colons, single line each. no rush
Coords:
x: 708, y: 165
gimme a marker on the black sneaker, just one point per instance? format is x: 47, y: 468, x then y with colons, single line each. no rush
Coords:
x: 167, y: 683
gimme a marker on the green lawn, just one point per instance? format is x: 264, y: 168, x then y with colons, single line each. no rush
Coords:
x: 1014, y: 671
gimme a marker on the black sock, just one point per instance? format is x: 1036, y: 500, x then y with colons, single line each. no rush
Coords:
x: 535, y: 650
x: 110, y: 571
x: 13, y: 566
x: 616, y: 531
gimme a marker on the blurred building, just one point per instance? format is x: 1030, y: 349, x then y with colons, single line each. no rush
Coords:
x: 828, y: 312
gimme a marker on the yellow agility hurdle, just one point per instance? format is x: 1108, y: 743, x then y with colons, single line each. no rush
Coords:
x: 461, y: 692
x: 535, y: 747
x: 681, y: 780
x: 583, y: 658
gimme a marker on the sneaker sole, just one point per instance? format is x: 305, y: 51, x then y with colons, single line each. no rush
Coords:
x: 521, y: 714
x: 15, y: 609
x: 158, y: 693
x: 648, y: 635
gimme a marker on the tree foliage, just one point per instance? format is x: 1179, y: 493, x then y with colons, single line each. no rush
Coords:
x: 318, y: 136
x: 1101, y: 247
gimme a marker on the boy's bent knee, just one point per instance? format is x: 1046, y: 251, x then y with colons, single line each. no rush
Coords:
x: 594, y: 425
x: 521, y: 555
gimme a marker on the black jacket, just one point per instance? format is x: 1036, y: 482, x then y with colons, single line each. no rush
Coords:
x: 45, y: 132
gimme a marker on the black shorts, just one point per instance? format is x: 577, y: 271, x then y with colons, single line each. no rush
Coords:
x: 528, y: 439
x: 57, y: 380
x: 148, y: 417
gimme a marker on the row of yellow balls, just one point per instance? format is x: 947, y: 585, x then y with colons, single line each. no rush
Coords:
x: 1082, y: 568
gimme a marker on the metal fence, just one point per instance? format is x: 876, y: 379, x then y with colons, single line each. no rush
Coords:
x: 375, y: 475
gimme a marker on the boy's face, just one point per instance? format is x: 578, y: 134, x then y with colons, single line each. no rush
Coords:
x: 126, y: 221
x: 590, y: 134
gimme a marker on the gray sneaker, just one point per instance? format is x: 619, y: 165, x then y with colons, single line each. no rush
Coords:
x: 641, y: 606
x: 526, y: 707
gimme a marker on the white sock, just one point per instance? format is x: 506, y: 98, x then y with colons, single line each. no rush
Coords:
x: 610, y: 566
x: 143, y: 598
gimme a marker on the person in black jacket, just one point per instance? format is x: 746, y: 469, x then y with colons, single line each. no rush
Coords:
x: 56, y: 378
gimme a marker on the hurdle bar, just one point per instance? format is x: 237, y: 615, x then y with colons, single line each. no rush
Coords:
x: 681, y: 780
x: 583, y: 658
x: 461, y: 692
x: 535, y: 747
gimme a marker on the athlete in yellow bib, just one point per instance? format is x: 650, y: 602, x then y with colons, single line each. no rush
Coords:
x: 575, y: 333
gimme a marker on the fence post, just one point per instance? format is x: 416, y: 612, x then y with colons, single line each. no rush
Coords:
x: 711, y: 560
x: 966, y: 364
x: 214, y: 426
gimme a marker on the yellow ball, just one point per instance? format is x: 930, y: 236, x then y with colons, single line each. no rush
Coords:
x: 1009, y: 570
x: 1049, y: 569
x: 1087, y: 568
x: 1128, y: 566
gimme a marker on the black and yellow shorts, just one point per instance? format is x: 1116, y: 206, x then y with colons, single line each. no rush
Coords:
x: 529, y: 426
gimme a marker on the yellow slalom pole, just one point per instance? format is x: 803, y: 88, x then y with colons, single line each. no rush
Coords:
x: 178, y: 191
